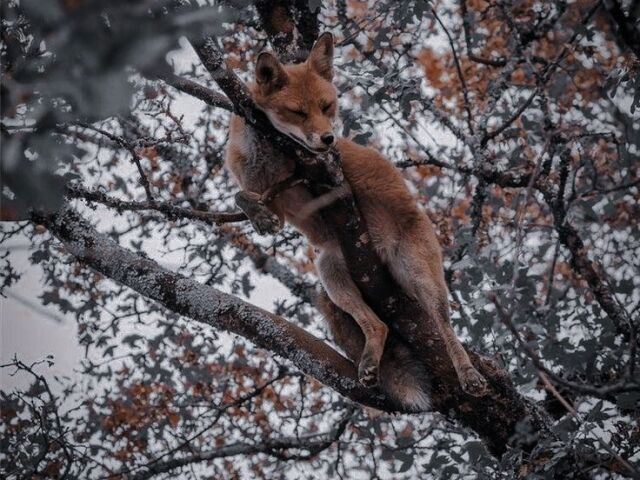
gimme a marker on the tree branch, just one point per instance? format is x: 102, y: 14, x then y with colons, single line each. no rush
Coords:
x: 580, y: 262
x: 135, y: 157
x: 484, y: 415
x: 603, y: 391
x: 208, y: 96
x: 268, y: 264
x: 169, y: 210
x: 463, y: 83
x: 210, y: 306
x: 277, y: 447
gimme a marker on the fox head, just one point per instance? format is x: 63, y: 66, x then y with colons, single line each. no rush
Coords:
x: 300, y: 99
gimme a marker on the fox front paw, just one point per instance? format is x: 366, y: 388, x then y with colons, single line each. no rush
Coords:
x: 473, y: 382
x: 264, y: 221
x: 368, y: 371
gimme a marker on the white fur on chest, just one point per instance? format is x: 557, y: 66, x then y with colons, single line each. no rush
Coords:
x: 245, y: 143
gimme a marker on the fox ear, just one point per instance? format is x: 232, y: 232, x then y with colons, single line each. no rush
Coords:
x: 269, y: 73
x: 321, y: 56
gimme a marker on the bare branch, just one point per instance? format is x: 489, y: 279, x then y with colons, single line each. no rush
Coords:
x: 169, y: 210
x: 277, y: 447
x: 604, y: 391
x: 581, y: 263
x: 135, y: 157
x: 463, y: 84
x: 519, y: 111
x: 498, y: 62
x: 208, y: 96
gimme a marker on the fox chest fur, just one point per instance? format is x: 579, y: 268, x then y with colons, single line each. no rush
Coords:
x: 255, y: 164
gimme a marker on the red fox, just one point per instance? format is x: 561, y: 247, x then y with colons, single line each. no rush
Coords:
x: 301, y: 102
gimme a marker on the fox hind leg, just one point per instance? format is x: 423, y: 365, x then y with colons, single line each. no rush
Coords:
x: 419, y: 271
x: 342, y: 291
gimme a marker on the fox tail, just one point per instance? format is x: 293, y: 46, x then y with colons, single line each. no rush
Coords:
x: 403, y: 377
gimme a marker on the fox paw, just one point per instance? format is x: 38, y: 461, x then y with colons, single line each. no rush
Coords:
x: 368, y: 371
x: 473, y: 382
x: 264, y: 221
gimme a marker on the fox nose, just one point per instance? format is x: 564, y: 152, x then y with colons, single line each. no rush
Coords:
x: 327, y: 139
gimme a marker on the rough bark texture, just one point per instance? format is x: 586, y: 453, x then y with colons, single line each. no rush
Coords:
x: 210, y: 306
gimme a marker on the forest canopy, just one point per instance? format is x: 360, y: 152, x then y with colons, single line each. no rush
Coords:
x: 203, y: 348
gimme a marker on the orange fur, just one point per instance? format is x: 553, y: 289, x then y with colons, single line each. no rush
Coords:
x: 301, y: 102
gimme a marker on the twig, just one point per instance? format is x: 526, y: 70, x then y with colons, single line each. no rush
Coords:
x: 169, y: 210
x: 499, y: 62
x: 135, y: 157
x: 600, y: 392
x: 572, y: 411
x: 463, y: 83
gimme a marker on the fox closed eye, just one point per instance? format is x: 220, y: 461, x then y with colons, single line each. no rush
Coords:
x: 299, y: 113
x: 327, y: 107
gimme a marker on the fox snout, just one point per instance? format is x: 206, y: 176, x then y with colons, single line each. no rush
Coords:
x: 328, y: 139
x: 313, y: 130
x: 314, y: 139
x: 321, y: 142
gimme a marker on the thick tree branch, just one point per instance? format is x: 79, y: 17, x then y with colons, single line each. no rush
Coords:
x: 210, y: 306
x: 208, y: 96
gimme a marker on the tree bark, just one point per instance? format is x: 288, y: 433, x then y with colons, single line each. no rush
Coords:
x: 210, y: 306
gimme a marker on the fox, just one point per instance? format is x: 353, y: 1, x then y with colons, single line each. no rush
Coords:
x: 301, y: 102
